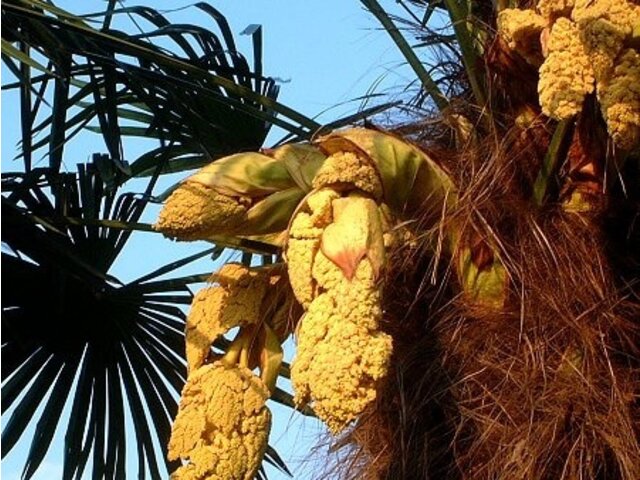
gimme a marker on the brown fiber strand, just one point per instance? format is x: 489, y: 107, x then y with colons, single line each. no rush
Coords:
x: 548, y: 387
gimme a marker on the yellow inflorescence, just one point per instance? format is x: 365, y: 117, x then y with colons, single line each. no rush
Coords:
x: 566, y: 76
x: 304, y: 241
x: 338, y: 363
x: 320, y: 203
x: 341, y: 354
x: 604, y: 27
x: 351, y: 169
x: 196, y: 212
x: 215, y: 310
x: 621, y: 13
x: 300, y: 254
x: 583, y: 50
x: 554, y: 8
x: 222, y: 425
x: 521, y: 30
x: 620, y: 100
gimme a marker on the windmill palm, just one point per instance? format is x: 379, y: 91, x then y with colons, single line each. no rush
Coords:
x: 469, y: 282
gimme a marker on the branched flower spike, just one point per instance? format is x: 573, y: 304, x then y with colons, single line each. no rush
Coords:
x: 335, y: 253
x: 244, y: 194
x: 586, y: 45
x: 223, y: 424
x: 236, y: 301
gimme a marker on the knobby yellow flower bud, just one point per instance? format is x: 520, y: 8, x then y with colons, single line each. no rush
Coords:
x: 339, y: 362
x: 349, y: 169
x: 195, y: 211
x: 621, y: 13
x: 236, y: 301
x: 604, y: 26
x: 620, y: 100
x: 521, y: 30
x: 583, y: 52
x: 222, y: 425
x: 304, y: 241
x: 554, y: 8
x: 243, y: 194
x: 566, y: 76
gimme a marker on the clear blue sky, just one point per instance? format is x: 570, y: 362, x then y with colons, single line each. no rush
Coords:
x: 328, y: 52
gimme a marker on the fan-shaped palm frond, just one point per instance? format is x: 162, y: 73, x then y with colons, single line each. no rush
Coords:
x: 73, y: 334
x: 64, y: 317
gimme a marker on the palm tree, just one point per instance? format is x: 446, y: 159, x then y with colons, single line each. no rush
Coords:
x: 469, y: 280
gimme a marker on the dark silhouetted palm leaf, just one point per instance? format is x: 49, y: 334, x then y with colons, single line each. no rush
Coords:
x: 64, y: 317
x: 201, y: 98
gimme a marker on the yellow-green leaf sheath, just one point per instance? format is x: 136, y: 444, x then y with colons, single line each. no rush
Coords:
x: 245, y: 194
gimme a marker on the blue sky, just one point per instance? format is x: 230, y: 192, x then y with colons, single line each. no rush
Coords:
x: 327, y: 53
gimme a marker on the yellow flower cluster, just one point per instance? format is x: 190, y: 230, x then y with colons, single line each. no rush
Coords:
x: 604, y: 27
x: 195, y: 211
x: 236, y: 301
x: 583, y: 51
x: 334, y: 256
x: 554, y: 8
x: 620, y: 100
x: 222, y: 424
x: 521, y: 30
x: 565, y: 76
x: 347, y: 168
x: 340, y: 360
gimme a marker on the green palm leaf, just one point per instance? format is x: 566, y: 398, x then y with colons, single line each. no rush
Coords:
x: 201, y: 96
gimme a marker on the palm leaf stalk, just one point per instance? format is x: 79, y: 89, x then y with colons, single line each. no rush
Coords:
x: 523, y: 362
